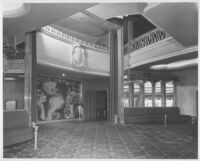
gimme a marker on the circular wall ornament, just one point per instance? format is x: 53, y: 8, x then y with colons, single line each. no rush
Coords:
x: 78, y: 56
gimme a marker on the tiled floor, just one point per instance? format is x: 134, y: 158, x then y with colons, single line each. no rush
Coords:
x: 104, y: 140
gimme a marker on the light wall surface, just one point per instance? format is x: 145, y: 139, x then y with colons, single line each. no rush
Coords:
x: 54, y: 52
x: 187, y: 91
x: 14, y: 90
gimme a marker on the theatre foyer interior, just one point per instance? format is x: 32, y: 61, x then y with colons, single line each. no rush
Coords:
x: 100, y: 80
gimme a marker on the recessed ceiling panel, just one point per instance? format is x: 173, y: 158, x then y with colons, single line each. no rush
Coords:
x: 109, y: 10
x: 41, y: 14
x: 180, y: 20
x: 87, y: 24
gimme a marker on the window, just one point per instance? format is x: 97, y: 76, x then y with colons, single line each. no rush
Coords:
x: 136, y: 88
x: 158, y: 101
x: 169, y: 88
x: 126, y: 95
x: 148, y: 94
x: 138, y: 93
x: 158, y: 87
x: 158, y: 94
x: 148, y: 87
x: 126, y: 88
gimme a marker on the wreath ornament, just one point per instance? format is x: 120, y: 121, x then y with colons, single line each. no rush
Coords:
x: 78, y: 56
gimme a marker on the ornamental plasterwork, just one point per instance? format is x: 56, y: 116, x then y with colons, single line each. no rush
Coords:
x: 78, y: 56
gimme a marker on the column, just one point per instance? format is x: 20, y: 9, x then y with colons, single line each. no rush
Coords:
x: 131, y: 94
x: 116, y: 74
x: 130, y: 28
x: 30, y: 76
x: 163, y: 89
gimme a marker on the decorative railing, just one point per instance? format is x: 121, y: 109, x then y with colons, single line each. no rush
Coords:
x: 144, y: 40
x: 72, y: 39
x: 11, y: 53
x: 13, y: 59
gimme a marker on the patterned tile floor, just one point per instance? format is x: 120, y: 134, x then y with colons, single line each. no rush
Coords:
x: 104, y: 140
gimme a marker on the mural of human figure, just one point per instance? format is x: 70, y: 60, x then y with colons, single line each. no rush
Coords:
x: 80, y: 107
x: 61, y: 99
x: 41, y: 106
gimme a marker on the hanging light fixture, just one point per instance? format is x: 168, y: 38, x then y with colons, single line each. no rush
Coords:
x: 15, y: 9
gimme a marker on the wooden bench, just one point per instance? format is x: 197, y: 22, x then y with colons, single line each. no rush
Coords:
x: 15, y: 127
x: 154, y: 115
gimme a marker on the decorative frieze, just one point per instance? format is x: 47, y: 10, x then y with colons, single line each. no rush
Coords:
x: 74, y: 40
x: 147, y: 76
x: 144, y: 40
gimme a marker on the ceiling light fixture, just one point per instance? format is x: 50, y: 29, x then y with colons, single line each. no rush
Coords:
x: 15, y: 9
x: 159, y: 67
x: 63, y: 74
x: 176, y: 65
x: 9, y: 78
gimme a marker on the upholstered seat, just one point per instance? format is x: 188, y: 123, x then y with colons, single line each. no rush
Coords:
x: 154, y: 115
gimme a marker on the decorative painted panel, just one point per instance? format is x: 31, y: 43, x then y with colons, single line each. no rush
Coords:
x: 58, y: 99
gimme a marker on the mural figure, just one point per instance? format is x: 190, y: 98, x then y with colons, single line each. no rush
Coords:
x: 58, y: 100
x: 41, y: 106
x: 55, y: 103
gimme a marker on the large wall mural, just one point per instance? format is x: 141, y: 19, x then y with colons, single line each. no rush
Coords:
x: 58, y: 99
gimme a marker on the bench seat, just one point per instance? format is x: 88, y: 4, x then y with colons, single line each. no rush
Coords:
x: 154, y: 115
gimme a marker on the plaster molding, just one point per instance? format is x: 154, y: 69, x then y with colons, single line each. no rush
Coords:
x: 165, y: 56
x: 73, y: 69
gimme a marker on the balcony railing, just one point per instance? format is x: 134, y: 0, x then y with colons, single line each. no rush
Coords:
x: 10, y: 53
x: 144, y: 40
x: 13, y: 59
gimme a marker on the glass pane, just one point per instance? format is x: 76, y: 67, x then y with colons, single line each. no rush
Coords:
x: 148, y: 102
x: 158, y: 87
x: 136, y: 87
x: 126, y: 88
x: 169, y: 87
x: 147, y: 88
x: 158, y: 101
x: 169, y: 101
x: 126, y: 100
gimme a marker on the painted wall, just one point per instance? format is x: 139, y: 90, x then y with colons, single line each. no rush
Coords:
x: 187, y: 90
x: 51, y: 51
x: 14, y: 90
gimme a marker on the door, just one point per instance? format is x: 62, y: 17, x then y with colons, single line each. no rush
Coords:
x: 101, y: 105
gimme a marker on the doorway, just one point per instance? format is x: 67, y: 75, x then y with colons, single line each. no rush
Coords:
x: 101, y: 105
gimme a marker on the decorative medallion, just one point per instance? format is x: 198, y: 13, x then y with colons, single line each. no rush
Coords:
x: 78, y: 56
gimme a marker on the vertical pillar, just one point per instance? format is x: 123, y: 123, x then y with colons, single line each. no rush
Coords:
x: 120, y: 69
x: 116, y: 74
x: 163, y: 89
x: 125, y: 29
x: 131, y: 94
x: 130, y: 28
x: 175, y: 94
x: 112, y: 36
x: 153, y: 94
x: 142, y: 95
x: 30, y: 76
